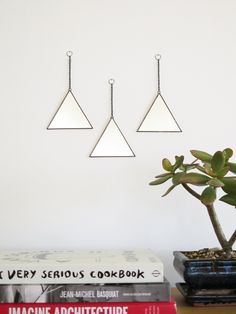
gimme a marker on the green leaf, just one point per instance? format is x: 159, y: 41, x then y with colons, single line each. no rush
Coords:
x: 200, y: 168
x: 228, y: 153
x: 215, y: 183
x: 187, y: 167
x: 182, y: 168
x: 232, y: 167
x: 177, y: 177
x: 229, y: 185
x: 195, y: 178
x: 179, y: 162
x: 208, y: 196
x: 166, y: 164
x: 229, y: 199
x: 161, y: 180
x: 223, y: 172
x: 203, y: 156
x: 209, y: 170
x: 218, y: 161
x: 169, y: 190
x: 162, y: 175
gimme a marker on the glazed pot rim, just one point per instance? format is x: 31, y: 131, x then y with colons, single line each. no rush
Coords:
x: 186, y: 260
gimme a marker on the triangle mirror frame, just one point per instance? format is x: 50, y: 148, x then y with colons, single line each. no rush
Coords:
x: 166, y: 112
x: 69, y: 115
x: 120, y: 148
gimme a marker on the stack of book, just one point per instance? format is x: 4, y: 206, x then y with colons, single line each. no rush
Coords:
x: 83, y: 282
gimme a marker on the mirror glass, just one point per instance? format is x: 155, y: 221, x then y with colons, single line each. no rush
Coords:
x: 159, y: 118
x: 112, y: 143
x: 69, y: 115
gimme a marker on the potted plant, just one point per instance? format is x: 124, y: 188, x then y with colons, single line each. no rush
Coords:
x: 214, y: 173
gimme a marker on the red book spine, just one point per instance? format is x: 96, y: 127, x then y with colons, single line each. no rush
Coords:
x: 89, y: 308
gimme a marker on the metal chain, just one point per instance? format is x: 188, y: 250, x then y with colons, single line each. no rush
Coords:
x: 111, y: 82
x: 158, y: 57
x: 69, y: 54
x: 158, y: 77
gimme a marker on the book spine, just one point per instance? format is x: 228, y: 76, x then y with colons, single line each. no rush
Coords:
x: 81, y: 275
x: 85, y: 293
x: 91, y: 308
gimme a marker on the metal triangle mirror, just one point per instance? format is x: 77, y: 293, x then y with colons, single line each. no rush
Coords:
x: 159, y: 117
x: 112, y: 142
x: 69, y: 115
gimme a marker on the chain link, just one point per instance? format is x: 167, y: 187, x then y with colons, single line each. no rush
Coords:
x: 158, y: 77
x: 69, y: 72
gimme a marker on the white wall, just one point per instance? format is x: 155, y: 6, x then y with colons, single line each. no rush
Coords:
x: 52, y: 194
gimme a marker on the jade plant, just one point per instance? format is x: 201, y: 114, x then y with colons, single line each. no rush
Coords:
x: 215, y: 174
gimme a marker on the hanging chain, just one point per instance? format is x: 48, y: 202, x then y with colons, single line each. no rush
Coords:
x: 69, y: 54
x: 111, y: 82
x: 158, y: 57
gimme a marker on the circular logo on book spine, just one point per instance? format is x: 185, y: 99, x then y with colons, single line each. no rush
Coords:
x: 156, y: 273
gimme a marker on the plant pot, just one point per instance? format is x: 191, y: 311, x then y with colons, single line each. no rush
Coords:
x: 205, y: 273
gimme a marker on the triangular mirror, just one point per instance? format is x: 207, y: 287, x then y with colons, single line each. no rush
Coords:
x: 112, y: 142
x: 69, y: 115
x: 159, y: 117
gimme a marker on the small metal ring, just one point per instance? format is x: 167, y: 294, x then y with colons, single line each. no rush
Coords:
x: 111, y: 81
x: 69, y: 53
x: 157, y: 56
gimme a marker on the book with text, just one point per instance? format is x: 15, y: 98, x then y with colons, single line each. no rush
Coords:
x: 81, y: 266
x: 134, y: 292
x: 90, y: 308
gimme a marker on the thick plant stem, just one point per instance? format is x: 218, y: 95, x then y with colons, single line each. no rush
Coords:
x: 232, y: 239
x: 218, y: 230
x: 226, y: 245
x: 191, y: 191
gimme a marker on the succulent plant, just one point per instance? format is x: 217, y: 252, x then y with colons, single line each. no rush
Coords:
x: 212, y: 173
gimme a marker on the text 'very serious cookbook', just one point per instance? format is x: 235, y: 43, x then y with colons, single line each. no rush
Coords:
x: 81, y: 266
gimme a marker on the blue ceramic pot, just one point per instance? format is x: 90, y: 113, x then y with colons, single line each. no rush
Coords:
x: 206, y: 273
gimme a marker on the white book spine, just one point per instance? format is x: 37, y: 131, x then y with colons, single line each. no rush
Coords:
x: 51, y: 275
x: 80, y: 267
